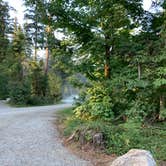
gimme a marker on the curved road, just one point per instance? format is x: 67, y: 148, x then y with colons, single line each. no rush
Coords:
x: 28, y: 137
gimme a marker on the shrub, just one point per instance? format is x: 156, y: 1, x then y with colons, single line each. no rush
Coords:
x: 19, y: 92
x: 95, y: 104
x: 3, y: 86
x: 123, y: 137
x: 40, y: 100
x: 55, y: 86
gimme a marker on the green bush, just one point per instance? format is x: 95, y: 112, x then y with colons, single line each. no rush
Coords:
x: 123, y: 137
x: 40, y: 100
x: 55, y: 86
x: 95, y: 104
x: 20, y: 92
x: 3, y: 86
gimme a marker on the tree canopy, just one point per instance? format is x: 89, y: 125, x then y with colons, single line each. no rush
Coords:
x: 117, y: 45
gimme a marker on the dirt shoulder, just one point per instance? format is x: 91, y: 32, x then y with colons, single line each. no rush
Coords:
x: 96, y: 156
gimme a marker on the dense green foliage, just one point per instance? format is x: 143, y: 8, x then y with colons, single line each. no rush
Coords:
x: 120, y: 48
x: 4, y: 41
x: 129, y: 65
x: 98, y: 102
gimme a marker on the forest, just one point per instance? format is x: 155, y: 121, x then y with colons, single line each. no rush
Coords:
x: 113, y: 51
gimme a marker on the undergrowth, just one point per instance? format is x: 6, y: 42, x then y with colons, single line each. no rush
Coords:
x: 120, y: 138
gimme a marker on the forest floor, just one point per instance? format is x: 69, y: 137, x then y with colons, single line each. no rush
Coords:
x: 29, y: 137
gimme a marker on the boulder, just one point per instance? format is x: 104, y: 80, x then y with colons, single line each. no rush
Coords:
x: 135, y: 157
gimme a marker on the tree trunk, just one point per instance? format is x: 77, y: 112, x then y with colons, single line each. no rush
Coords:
x: 35, y: 55
x: 47, y: 59
x: 139, y: 71
x: 162, y: 107
x: 107, y: 68
x: 36, y: 33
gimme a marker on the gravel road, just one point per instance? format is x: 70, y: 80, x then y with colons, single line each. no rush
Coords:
x: 28, y: 137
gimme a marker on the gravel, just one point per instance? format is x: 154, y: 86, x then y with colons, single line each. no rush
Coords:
x: 28, y: 137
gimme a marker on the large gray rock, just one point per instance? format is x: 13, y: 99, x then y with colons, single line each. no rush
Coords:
x: 135, y: 157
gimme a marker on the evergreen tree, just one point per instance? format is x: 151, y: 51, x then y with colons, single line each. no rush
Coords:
x: 4, y: 29
x: 33, y: 26
x: 5, y: 24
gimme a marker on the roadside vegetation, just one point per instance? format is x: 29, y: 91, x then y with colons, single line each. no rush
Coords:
x: 118, y: 138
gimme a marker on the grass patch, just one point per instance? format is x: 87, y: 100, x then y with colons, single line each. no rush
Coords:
x: 122, y: 137
x: 68, y: 122
x: 66, y: 113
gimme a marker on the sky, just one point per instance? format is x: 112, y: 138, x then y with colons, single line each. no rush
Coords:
x: 18, y: 5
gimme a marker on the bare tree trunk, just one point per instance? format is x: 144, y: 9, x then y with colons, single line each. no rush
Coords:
x: 35, y: 55
x: 139, y: 71
x: 107, y: 68
x: 36, y: 33
x: 107, y: 64
x: 162, y: 107
x: 47, y: 60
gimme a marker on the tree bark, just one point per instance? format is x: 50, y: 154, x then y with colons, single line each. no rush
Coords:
x: 47, y: 59
x: 107, y: 67
x: 162, y: 107
x: 36, y: 33
x: 35, y: 55
x: 139, y: 71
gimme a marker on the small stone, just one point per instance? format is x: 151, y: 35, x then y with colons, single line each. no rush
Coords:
x: 135, y: 157
x: 98, y: 139
x: 8, y: 99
